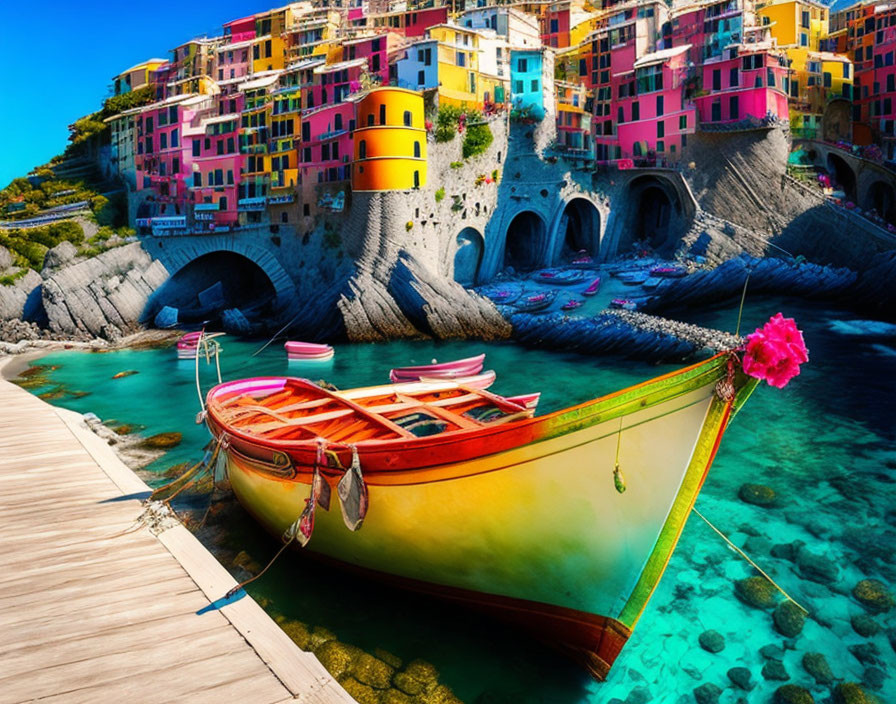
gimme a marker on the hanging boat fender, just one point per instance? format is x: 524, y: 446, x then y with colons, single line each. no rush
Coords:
x: 353, y: 495
x: 619, y: 480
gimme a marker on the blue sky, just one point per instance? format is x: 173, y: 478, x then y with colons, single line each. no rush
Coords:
x: 59, y: 57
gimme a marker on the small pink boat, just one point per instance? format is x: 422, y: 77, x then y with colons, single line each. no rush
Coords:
x: 193, y: 343
x: 623, y: 303
x: 308, y: 351
x: 529, y: 401
x: 473, y: 381
x: 593, y: 287
x: 571, y: 304
x: 444, y: 370
x: 582, y: 259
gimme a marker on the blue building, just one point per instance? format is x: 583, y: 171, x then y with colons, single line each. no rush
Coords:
x: 526, y: 83
x: 419, y: 69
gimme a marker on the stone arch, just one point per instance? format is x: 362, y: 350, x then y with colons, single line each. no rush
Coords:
x: 656, y: 215
x: 881, y: 196
x: 525, y: 242
x: 843, y: 175
x: 468, y: 256
x: 576, y: 228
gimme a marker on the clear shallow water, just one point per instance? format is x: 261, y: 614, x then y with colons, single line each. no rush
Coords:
x: 825, y: 444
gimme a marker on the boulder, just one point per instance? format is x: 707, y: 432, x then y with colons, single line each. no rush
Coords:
x: 789, y: 619
x: 772, y: 652
x: 757, y: 494
x: 707, y: 693
x: 873, y: 595
x: 162, y: 441
x: 851, y: 693
x: 755, y: 591
x: 864, y: 625
x: 712, y: 641
x: 372, y: 671
x: 793, y: 694
x: 741, y: 678
x: 816, y: 568
x: 866, y: 653
x: 5, y: 259
x: 874, y: 678
x: 61, y: 254
x: 817, y: 666
x: 774, y: 670
x: 338, y: 658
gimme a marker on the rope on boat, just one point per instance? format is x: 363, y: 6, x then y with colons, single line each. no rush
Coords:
x: 198, y: 387
x: 747, y: 558
x: 290, y: 534
x: 740, y: 310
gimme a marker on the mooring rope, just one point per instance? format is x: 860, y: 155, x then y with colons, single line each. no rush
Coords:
x: 242, y: 584
x: 740, y: 310
x: 747, y: 558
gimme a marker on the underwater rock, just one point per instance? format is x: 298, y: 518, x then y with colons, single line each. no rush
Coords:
x: 816, y: 568
x: 864, y: 625
x: 793, y: 694
x: 639, y: 695
x: 851, y: 693
x: 747, y: 529
x: 394, y: 696
x: 789, y: 619
x: 741, y: 678
x: 122, y: 375
x: 361, y: 693
x: 874, y: 678
x: 372, y: 671
x: 712, y: 641
x: 439, y: 695
x: 125, y: 428
x: 774, y: 670
x: 757, y: 494
x: 755, y: 591
x: 866, y: 653
x: 772, y: 652
x: 817, y: 666
x: 873, y: 595
x: 298, y: 633
x: 757, y: 545
x: 891, y: 635
x: 388, y: 657
x: 338, y: 658
x: 407, y: 684
x: 417, y: 677
x: 162, y: 441
x: 707, y: 693
x: 245, y: 560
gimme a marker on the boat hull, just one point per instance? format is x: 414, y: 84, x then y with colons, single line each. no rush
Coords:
x: 535, y: 532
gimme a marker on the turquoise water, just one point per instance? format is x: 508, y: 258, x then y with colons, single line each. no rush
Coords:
x: 825, y: 444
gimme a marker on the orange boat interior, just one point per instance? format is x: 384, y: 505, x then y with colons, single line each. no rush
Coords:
x: 287, y: 409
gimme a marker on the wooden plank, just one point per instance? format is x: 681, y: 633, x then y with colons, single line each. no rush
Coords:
x: 99, y: 609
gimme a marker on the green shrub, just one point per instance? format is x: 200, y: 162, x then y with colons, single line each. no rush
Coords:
x: 478, y: 138
x: 440, y: 195
x: 10, y: 279
x: 456, y: 164
x: 446, y: 122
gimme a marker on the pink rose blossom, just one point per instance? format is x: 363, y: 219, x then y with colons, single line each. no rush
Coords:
x: 775, y: 351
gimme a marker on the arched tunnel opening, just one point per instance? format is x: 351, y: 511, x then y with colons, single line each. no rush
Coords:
x: 882, y: 199
x: 468, y: 256
x: 843, y: 175
x: 524, y: 245
x: 224, y: 289
x: 656, y: 219
x: 579, y: 228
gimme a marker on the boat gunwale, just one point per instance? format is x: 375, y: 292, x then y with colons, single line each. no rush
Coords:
x: 557, y: 423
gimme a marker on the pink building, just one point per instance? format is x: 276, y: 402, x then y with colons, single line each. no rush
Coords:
x: 327, y: 145
x: 240, y: 30
x: 743, y: 85
x: 655, y: 117
x: 215, y: 164
x: 233, y: 61
x: 374, y: 49
x: 333, y: 83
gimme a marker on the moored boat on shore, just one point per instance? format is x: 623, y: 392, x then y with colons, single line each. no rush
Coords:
x: 199, y: 343
x: 468, y: 366
x: 308, y: 351
x: 560, y: 277
x: 473, y: 499
x: 536, y: 302
x: 593, y: 287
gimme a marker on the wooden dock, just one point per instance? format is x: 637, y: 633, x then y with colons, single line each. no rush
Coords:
x: 92, y: 610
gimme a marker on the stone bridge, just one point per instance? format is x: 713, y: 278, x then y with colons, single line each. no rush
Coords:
x: 866, y: 183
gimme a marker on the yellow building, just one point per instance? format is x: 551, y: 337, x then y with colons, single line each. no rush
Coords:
x: 390, y: 141
x: 136, y: 77
x: 468, y: 66
x: 820, y: 82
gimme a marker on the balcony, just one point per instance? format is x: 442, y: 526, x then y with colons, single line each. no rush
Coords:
x: 252, y: 204
x: 205, y: 207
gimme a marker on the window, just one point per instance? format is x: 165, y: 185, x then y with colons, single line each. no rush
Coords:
x: 163, y: 140
x: 659, y: 105
x: 416, y: 150
x: 636, y: 111
x: 219, y: 146
x: 804, y: 39
x: 716, y: 79
x: 534, y: 87
x: 461, y: 59
x: 555, y: 26
x: 222, y: 203
x: 306, y: 131
x: 172, y: 114
x: 891, y: 83
x: 620, y: 116
x: 660, y: 146
x: 805, y: 19
x: 827, y: 79
x: 522, y: 65
x: 660, y: 129
x: 733, y: 78
x: 382, y: 114
x: 794, y: 88
x: 149, y: 125
x: 716, y: 111
x: 845, y: 70
x: 416, y: 179
x: 362, y: 149
x: 230, y: 145
x: 197, y: 179
x: 733, y: 108
x: 683, y: 122
x: 407, y: 118
x: 770, y: 77
x: 175, y: 165
x: 196, y: 147
x: 518, y: 87
x: 421, y: 78
x: 229, y: 177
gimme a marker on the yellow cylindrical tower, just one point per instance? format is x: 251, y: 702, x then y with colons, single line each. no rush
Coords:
x: 390, y: 141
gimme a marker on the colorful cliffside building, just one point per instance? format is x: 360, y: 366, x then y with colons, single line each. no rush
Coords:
x: 389, y: 141
x: 136, y: 77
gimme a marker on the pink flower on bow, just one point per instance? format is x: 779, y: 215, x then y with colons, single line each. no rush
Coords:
x: 775, y: 351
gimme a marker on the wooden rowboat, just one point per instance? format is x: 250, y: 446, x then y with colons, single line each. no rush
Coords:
x: 473, y: 499
x: 456, y: 368
x: 193, y: 343
x: 308, y: 351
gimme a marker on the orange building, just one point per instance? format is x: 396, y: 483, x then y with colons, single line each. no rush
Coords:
x: 390, y: 141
